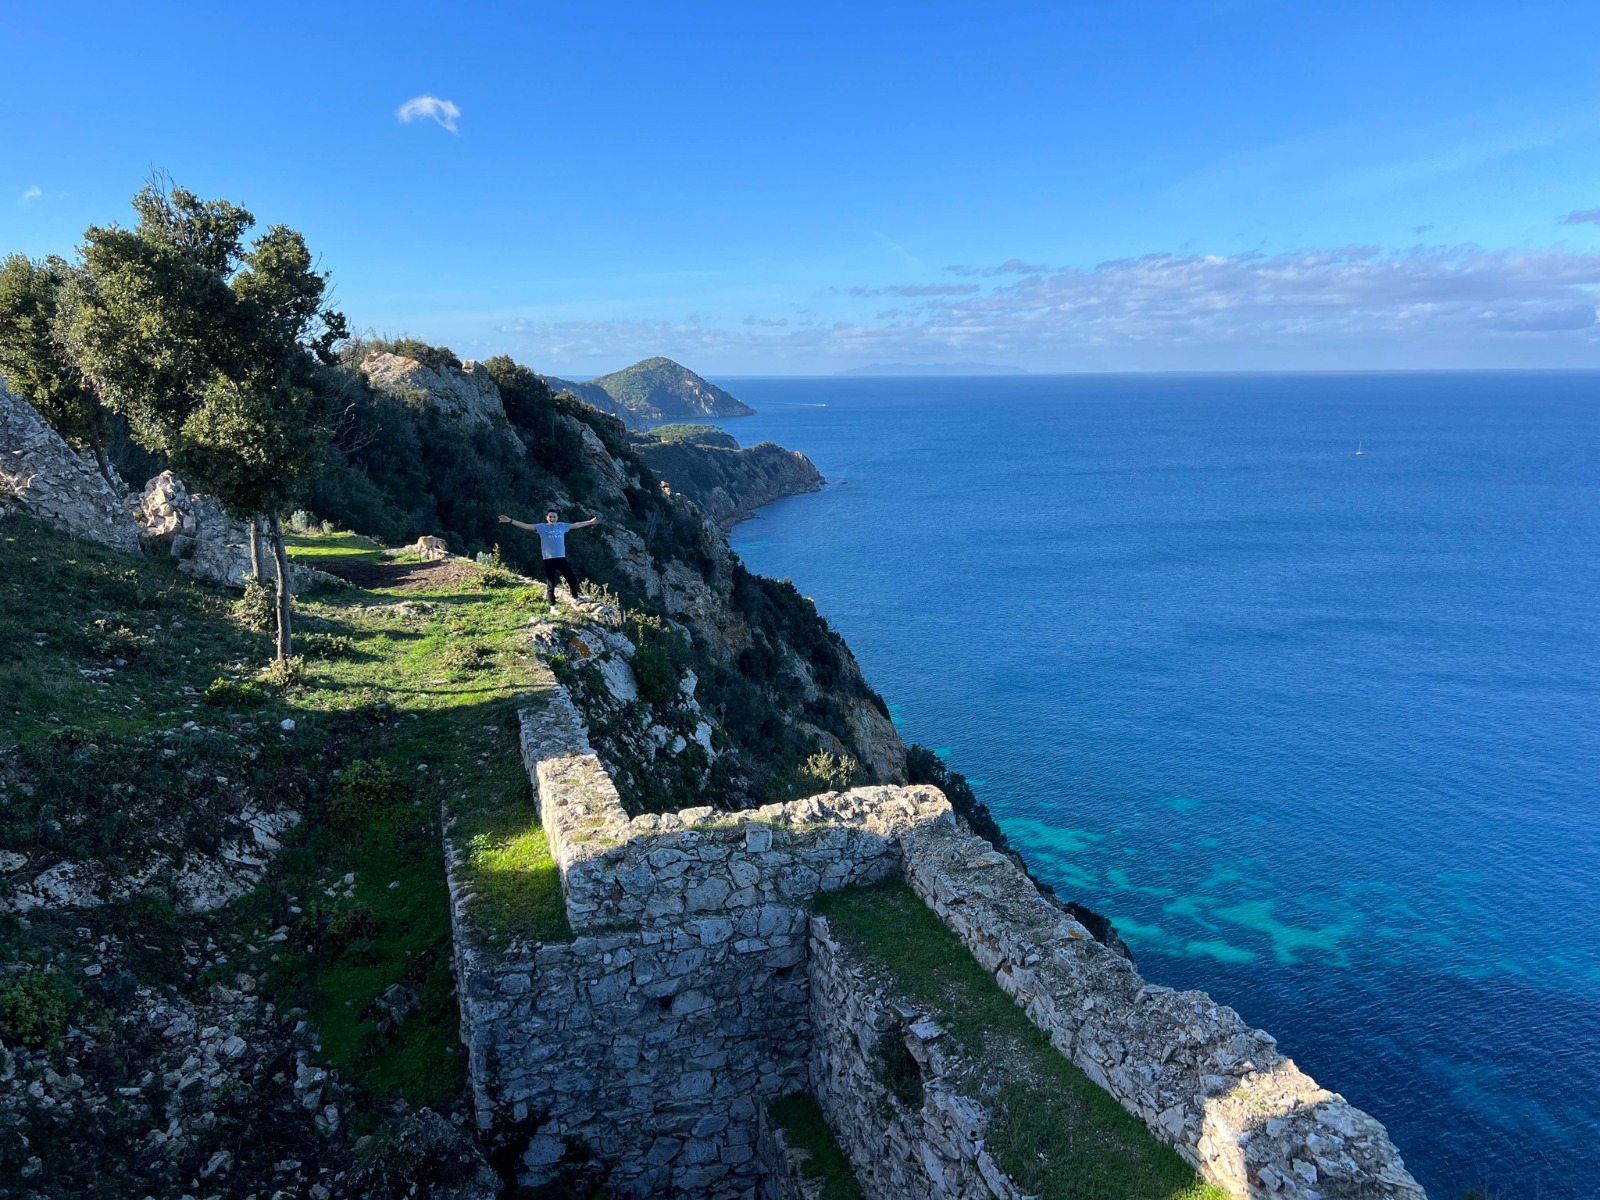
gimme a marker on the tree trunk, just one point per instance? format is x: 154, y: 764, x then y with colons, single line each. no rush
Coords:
x: 255, y: 548
x: 281, y: 559
x: 97, y: 444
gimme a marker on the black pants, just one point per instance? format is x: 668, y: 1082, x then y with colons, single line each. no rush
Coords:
x: 555, y: 570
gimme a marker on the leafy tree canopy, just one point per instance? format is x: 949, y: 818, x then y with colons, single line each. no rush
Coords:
x: 32, y: 358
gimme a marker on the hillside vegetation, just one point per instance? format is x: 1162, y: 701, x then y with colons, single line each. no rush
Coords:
x: 652, y: 390
x: 311, y: 1020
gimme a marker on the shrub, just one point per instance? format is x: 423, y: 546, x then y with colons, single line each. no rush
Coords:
x: 659, y: 658
x: 464, y: 656
x: 325, y: 645
x: 363, y: 789
x: 112, y: 639
x: 256, y: 609
x: 284, y: 672
x: 493, y: 572
x: 300, y: 521
x: 831, y: 772
x: 235, y: 693
x: 34, y: 1007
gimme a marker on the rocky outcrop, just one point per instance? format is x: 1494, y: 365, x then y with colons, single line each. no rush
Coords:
x: 208, y: 544
x: 42, y: 476
x: 469, y: 394
x: 726, y: 482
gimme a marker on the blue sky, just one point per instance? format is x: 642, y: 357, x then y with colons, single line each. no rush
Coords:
x: 773, y: 189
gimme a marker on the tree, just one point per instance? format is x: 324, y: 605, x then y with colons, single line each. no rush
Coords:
x: 36, y: 362
x: 215, y: 353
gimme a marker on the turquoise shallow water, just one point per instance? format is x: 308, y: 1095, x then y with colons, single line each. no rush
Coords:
x: 1317, y: 729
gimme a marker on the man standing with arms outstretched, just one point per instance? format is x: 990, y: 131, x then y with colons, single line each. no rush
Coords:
x: 553, y: 546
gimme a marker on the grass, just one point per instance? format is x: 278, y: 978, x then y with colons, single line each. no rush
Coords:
x: 800, y: 1118
x: 313, y: 549
x: 1054, y: 1131
x: 104, y: 657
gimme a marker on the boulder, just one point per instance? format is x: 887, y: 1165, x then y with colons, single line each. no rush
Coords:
x: 42, y: 476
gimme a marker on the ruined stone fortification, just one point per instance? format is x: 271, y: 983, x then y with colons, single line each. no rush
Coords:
x: 698, y: 987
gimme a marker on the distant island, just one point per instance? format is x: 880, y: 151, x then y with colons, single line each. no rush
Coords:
x: 954, y: 368
x: 656, y: 389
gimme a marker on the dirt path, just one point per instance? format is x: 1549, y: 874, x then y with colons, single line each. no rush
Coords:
x: 386, y: 573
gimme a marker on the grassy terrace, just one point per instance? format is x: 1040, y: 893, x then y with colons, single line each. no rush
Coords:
x: 406, y: 697
x: 1056, y: 1133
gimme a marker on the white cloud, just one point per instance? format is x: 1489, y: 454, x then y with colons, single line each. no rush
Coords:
x: 30, y: 195
x: 442, y: 111
x: 1346, y: 308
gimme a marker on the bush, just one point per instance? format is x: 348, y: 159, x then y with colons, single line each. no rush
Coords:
x: 325, y: 645
x: 235, y: 693
x: 300, y: 521
x: 493, y: 572
x: 257, y: 609
x: 831, y: 772
x: 284, y: 672
x: 658, y: 659
x: 364, y: 788
x: 34, y: 1007
x: 113, y: 639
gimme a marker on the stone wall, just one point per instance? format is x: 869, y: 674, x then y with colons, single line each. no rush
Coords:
x: 1216, y: 1090
x: 683, y: 1002
x: 899, y: 1152
x: 695, y: 990
x: 41, y: 475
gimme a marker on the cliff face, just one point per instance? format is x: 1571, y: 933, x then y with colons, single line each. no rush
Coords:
x: 728, y: 483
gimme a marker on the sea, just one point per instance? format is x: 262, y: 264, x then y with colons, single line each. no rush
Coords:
x: 1295, y: 677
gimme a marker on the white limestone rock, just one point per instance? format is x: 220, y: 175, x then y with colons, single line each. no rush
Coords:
x: 42, y: 476
x: 208, y: 544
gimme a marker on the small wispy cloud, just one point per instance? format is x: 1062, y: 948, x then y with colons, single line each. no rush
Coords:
x: 917, y: 289
x: 443, y: 111
x: 1583, y: 216
x: 31, y: 194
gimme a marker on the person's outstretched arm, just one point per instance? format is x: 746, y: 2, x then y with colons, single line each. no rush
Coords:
x: 505, y: 520
x: 586, y: 524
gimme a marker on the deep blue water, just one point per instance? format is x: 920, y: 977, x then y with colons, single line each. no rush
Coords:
x: 1318, y: 730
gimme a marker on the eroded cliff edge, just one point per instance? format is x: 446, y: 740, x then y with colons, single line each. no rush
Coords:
x: 727, y: 482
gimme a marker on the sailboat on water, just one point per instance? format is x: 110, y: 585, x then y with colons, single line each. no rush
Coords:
x: 1359, y: 450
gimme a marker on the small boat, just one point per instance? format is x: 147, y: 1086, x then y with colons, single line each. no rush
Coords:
x: 1359, y: 450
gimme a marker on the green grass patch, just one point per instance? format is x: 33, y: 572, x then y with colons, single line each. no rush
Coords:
x: 407, y: 703
x: 801, y: 1120
x: 309, y: 548
x: 1055, y: 1132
